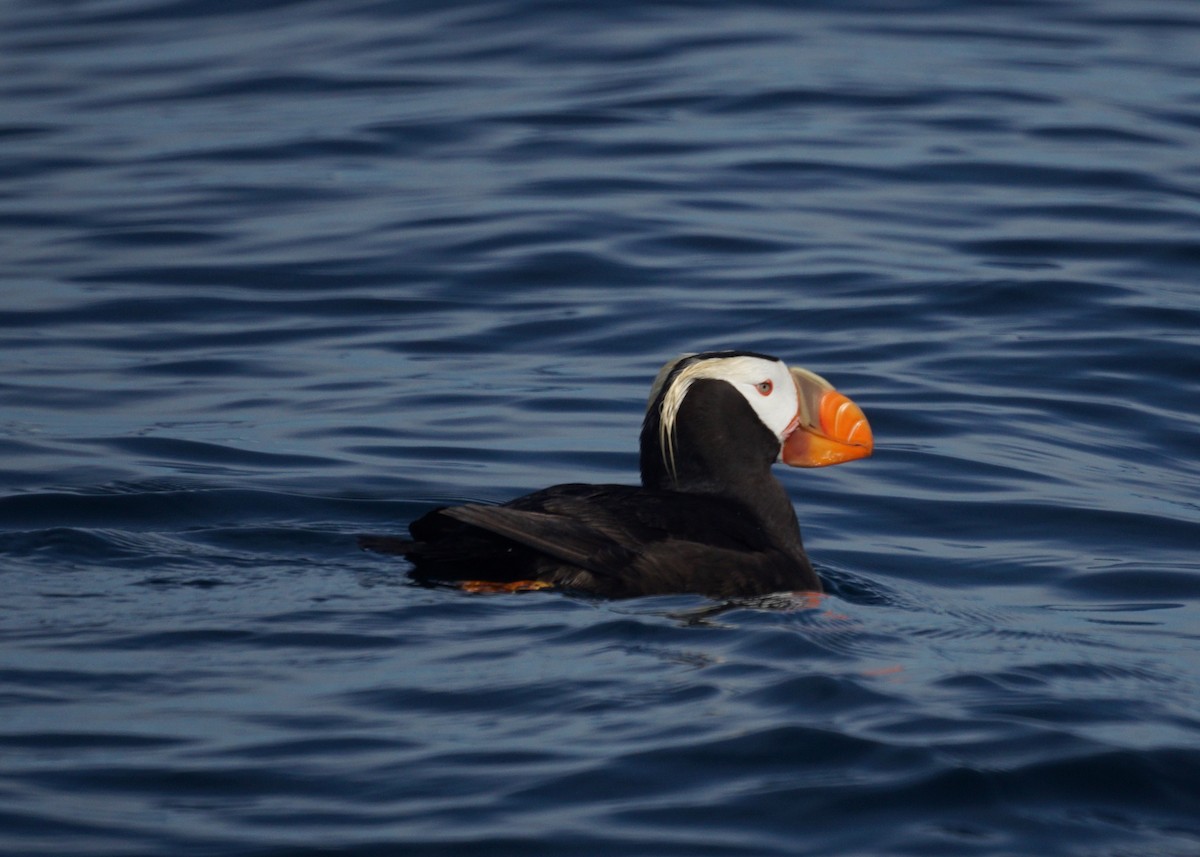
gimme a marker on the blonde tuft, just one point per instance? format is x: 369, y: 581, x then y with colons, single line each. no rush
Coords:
x: 718, y: 368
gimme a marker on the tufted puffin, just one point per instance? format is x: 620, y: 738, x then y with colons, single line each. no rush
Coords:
x: 709, y: 517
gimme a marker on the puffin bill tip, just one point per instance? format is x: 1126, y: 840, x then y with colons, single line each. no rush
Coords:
x: 843, y: 421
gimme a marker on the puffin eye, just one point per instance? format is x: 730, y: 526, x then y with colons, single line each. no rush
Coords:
x: 764, y: 387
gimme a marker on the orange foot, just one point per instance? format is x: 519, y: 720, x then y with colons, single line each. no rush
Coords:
x: 514, y: 586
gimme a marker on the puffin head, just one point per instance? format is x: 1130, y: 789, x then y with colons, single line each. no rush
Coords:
x: 734, y: 408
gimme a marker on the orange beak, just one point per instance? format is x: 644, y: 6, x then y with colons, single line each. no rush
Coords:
x: 830, y: 429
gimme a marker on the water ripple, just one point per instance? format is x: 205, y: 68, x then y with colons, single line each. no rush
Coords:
x: 276, y: 275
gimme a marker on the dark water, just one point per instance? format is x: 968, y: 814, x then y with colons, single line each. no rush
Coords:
x: 274, y: 274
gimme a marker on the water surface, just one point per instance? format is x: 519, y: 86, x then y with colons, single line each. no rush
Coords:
x: 276, y: 275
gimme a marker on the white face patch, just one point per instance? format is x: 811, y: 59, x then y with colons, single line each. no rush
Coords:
x: 765, y: 384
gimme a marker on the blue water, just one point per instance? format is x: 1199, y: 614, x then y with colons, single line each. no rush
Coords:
x: 275, y: 274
